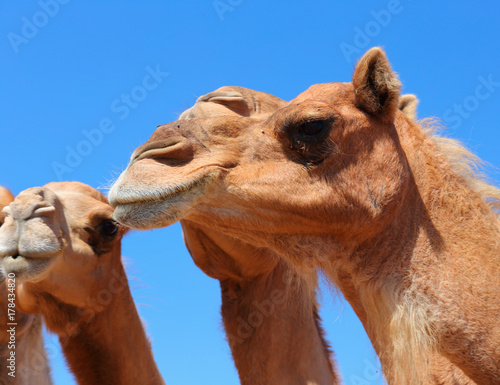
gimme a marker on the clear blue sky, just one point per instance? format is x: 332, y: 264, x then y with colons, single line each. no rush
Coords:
x: 66, y: 72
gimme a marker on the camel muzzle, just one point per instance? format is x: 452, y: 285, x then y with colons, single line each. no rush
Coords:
x: 28, y: 237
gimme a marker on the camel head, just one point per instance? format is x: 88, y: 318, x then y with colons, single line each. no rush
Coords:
x: 327, y: 162
x: 217, y: 112
x: 59, y: 240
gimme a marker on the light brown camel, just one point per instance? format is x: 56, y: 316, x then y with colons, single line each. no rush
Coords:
x: 261, y: 307
x: 245, y: 283
x: 339, y: 179
x: 233, y: 263
x: 21, y: 334
x: 64, y: 248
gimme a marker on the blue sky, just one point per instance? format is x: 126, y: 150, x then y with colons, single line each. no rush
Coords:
x: 75, y: 104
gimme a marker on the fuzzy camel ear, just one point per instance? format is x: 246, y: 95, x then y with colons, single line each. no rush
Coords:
x: 5, y: 198
x: 376, y: 85
x: 408, y: 105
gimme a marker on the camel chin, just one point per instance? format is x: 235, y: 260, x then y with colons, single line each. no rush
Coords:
x: 147, y: 215
x: 27, y: 268
x: 143, y: 210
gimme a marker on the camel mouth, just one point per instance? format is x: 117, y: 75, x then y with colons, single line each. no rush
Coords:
x: 147, y: 215
x: 26, y: 268
x: 160, y: 207
x: 126, y: 196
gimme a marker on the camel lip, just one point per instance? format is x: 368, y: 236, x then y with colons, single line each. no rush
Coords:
x: 132, y: 215
x: 134, y: 197
x: 25, y: 267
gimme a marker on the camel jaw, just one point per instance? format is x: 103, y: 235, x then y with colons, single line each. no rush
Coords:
x: 26, y: 268
x: 145, y: 209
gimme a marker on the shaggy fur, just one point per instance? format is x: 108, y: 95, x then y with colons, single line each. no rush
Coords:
x: 393, y: 215
x: 83, y: 296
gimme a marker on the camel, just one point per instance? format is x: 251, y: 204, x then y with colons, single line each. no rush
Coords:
x: 64, y: 248
x: 232, y: 262
x: 339, y: 179
x: 229, y: 266
x: 260, y: 306
x: 235, y: 261
x: 217, y: 103
x: 31, y: 364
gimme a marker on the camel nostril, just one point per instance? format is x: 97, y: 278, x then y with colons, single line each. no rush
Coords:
x: 177, y: 147
x: 44, y: 211
x: 15, y: 256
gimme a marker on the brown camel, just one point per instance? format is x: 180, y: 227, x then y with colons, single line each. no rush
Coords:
x: 233, y: 263
x: 260, y: 302
x: 21, y: 334
x: 341, y: 180
x: 245, y: 283
x: 64, y: 248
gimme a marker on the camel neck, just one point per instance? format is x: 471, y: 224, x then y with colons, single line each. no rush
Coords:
x: 269, y: 312
x: 399, y: 282
x: 274, y: 331
x: 112, y: 347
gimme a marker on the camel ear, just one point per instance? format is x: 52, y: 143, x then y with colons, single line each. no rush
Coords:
x: 408, y: 105
x: 376, y: 85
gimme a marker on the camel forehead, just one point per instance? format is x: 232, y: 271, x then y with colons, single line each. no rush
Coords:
x: 76, y: 199
x: 332, y: 93
x: 83, y: 207
x: 35, y: 195
x: 81, y: 201
x: 76, y: 187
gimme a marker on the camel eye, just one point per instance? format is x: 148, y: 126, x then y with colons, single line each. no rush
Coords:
x: 312, y: 129
x: 109, y: 228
